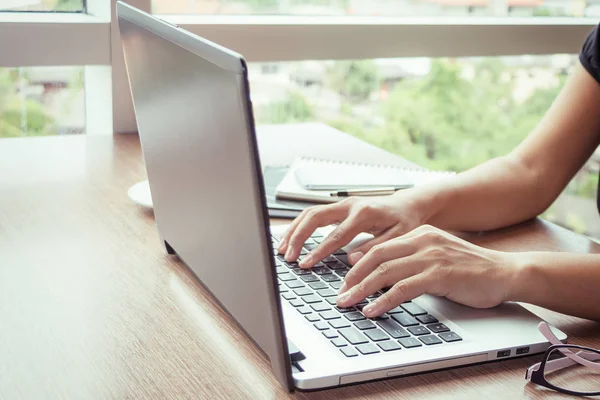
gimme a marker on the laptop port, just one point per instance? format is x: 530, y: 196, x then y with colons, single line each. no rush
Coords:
x: 523, y: 350
x: 503, y: 353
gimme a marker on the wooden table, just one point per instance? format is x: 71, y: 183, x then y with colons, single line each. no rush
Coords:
x: 92, y: 308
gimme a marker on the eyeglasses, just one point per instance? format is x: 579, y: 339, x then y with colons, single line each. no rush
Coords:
x: 567, y: 368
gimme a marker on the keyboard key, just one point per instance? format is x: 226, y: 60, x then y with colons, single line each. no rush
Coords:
x: 331, y: 314
x: 316, y: 234
x: 322, y: 325
x: 366, y: 324
x: 376, y: 335
x: 313, y: 298
x: 405, y: 319
x: 410, y: 342
x: 282, y: 289
x: 319, y: 307
x: 344, y: 258
x: 413, y: 309
x: 281, y: 270
x: 300, y: 271
x: 427, y: 319
x: 339, y: 252
x: 296, y: 302
x: 367, y: 349
x: 353, y: 336
x: 331, y: 300
x: 336, y: 285
x: 304, y: 310
x: 318, y: 285
x: 327, y: 292
x: 295, y: 284
x: 438, y: 328
x: 381, y: 317
x: 430, y: 339
x: 293, y: 264
x: 450, y: 337
x: 418, y: 330
x: 286, y: 277
x: 312, y: 317
x: 318, y: 240
x: 374, y: 296
x: 339, y: 342
x: 288, y: 296
x: 339, y: 323
x: 330, y: 278
x: 337, y: 264
x: 329, y: 259
x: 345, y: 309
x: 389, y: 345
x: 393, y: 329
x: 349, y: 351
x: 321, y: 270
x: 354, y: 316
x: 330, y: 334
x: 309, y: 278
x: 303, y: 291
x: 310, y: 246
x: 341, y: 272
x: 303, y: 252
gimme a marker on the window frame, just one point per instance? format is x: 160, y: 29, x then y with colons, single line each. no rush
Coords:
x: 92, y: 40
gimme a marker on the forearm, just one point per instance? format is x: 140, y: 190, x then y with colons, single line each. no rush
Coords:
x: 498, y: 193
x: 564, y: 282
x: 521, y: 185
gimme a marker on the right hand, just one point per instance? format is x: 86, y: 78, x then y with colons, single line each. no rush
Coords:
x: 384, y: 217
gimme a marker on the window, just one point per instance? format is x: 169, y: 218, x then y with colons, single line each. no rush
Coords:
x: 444, y: 113
x: 43, y: 5
x: 408, y: 49
x: 397, y: 8
x: 41, y: 101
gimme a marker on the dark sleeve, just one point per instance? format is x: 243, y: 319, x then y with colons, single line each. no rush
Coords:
x: 590, y: 54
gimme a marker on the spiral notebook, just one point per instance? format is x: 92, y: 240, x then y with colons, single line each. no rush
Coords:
x: 311, y: 179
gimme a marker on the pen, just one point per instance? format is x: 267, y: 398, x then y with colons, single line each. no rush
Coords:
x: 369, y: 192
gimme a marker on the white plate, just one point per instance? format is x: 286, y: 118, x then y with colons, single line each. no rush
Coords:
x: 140, y: 194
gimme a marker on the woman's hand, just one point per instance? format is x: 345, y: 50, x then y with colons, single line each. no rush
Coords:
x: 429, y: 260
x: 385, y: 218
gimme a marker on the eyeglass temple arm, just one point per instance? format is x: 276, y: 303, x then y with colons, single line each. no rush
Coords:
x: 576, y: 357
x: 581, y: 357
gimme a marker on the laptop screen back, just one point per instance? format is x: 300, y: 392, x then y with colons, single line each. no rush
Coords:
x: 196, y: 130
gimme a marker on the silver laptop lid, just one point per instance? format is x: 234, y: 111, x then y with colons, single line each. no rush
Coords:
x: 195, y: 122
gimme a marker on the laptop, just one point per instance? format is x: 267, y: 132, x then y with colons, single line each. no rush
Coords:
x: 197, y: 132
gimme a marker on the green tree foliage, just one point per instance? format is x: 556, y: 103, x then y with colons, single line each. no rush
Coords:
x: 445, y: 121
x: 294, y: 109
x: 262, y: 4
x: 68, y: 5
x: 354, y: 79
x: 38, y: 122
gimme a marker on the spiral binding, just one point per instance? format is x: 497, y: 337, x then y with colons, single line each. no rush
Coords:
x: 382, y: 166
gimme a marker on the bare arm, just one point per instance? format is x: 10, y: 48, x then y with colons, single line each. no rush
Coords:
x: 521, y: 185
x: 563, y: 282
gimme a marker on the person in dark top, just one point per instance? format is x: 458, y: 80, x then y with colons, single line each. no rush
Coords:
x: 413, y: 254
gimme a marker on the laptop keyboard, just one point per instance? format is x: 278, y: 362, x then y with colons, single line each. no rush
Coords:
x: 312, y: 292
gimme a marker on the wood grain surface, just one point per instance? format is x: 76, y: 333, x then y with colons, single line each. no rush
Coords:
x: 91, y: 307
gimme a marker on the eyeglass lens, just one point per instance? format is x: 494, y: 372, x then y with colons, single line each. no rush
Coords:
x: 576, y: 378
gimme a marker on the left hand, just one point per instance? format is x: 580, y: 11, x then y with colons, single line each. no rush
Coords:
x: 429, y: 260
